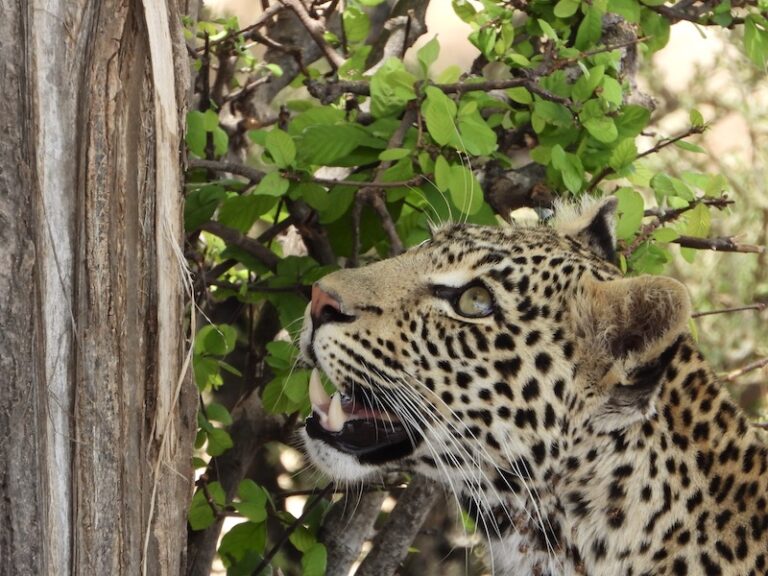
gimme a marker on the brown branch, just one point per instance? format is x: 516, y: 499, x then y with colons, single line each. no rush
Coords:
x: 757, y: 364
x: 415, y: 181
x: 240, y: 240
x: 316, y: 30
x: 759, y: 307
x: 390, y: 547
x: 664, y: 216
x: 488, y: 85
x: 607, y: 171
x: 348, y: 524
x: 721, y: 244
x: 252, y: 174
x: 372, y: 195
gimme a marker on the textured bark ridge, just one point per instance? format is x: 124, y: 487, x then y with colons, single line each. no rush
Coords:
x: 95, y: 408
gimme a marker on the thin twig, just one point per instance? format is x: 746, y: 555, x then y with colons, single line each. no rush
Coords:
x: 252, y: 174
x: 759, y: 307
x: 316, y: 30
x: 240, y: 240
x: 308, y: 508
x: 757, y: 364
x: 607, y: 171
x: 260, y: 21
x: 721, y: 244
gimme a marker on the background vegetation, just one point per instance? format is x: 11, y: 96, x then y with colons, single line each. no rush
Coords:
x: 313, y: 146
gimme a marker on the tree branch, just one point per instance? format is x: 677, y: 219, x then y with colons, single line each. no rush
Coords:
x: 316, y: 30
x: 734, y: 374
x: 237, y: 238
x: 607, y: 171
x: 252, y: 174
x: 390, y: 547
x: 348, y: 524
x: 721, y: 244
x: 759, y: 307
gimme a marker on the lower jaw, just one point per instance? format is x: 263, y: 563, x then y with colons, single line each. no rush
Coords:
x: 352, y: 440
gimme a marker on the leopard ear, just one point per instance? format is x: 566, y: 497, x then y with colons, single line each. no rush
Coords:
x: 593, y: 224
x: 628, y: 330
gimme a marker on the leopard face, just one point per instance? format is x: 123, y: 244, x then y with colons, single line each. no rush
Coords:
x: 459, y: 343
x: 519, y: 369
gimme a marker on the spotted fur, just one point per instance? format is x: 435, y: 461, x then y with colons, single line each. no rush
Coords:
x: 578, y: 418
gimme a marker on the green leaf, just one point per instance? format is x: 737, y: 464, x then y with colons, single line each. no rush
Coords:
x: 200, y: 205
x: 590, y: 29
x: 477, y: 138
x: 394, y: 154
x: 520, y: 95
x: 569, y: 166
x: 313, y: 563
x: 623, y: 155
x: 219, y: 441
x: 566, y: 8
x: 215, y: 339
x: 207, y: 373
x: 281, y: 147
x: 196, y: 134
x: 201, y: 515
x: 632, y: 120
x: 696, y: 119
x: 466, y: 192
x: 217, y: 413
x: 356, y: 24
x: 253, y: 501
x: 612, y: 92
x: 391, y: 88
x: 243, y: 538
x: 665, y: 235
x: 220, y: 142
x: 689, y: 147
x: 272, y: 185
x: 553, y: 113
x: 240, y: 212
x: 586, y: 84
x: 427, y: 55
x: 649, y: 259
x: 755, y: 41
x: 302, y: 539
x: 442, y: 174
x: 439, y: 112
x: 323, y: 144
x: 602, y: 129
x: 630, y: 209
x: 464, y: 10
x: 697, y: 221
x: 628, y: 9
x: 313, y: 194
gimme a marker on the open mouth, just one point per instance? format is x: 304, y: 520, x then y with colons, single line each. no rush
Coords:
x: 351, y: 423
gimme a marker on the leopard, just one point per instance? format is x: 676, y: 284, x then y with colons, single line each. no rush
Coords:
x: 566, y: 404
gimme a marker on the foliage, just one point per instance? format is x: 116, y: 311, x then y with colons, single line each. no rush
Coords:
x: 377, y: 154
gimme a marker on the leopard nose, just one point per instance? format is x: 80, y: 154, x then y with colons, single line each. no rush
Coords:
x: 326, y: 308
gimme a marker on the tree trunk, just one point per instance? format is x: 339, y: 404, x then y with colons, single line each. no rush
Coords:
x: 96, y: 403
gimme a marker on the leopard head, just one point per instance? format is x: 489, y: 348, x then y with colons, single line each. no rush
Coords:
x: 469, y: 357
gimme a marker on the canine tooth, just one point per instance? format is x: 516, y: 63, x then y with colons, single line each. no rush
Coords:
x: 317, y: 394
x: 336, y: 416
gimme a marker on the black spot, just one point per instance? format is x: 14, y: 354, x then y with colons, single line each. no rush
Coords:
x: 463, y: 379
x: 503, y: 389
x: 508, y: 368
x: 531, y: 390
x: 543, y: 362
x: 504, y: 342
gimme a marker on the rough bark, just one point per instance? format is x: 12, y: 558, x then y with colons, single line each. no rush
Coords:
x: 96, y: 408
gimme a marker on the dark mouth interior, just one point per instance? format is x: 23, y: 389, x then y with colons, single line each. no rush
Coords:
x: 369, y: 439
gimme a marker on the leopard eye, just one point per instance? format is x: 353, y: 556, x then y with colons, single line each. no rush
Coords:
x: 474, y: 302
